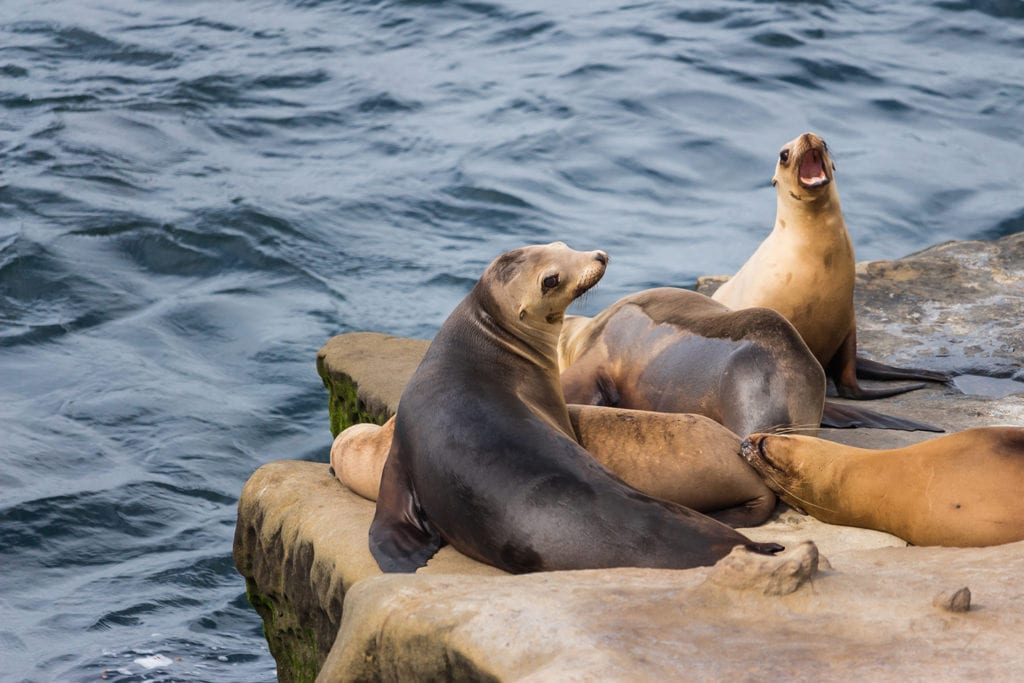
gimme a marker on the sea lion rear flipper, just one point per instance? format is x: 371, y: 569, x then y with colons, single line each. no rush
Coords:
x: 752, y: 513
x: 872, y: 369
x: 841, y: 416
x: 401, y: 537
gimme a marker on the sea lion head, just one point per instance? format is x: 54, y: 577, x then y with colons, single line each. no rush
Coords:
x: 789, y: 464
x: 531, y: 287
x: 804, y: 169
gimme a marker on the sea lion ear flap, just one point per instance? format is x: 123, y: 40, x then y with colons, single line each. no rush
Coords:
x: 401, y: 538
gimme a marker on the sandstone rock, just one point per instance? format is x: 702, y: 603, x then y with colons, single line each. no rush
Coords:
x: 301, y: 543
x: 954, y: 601
x: 365, y: 373
x: 876, y: 610
x: 957, y: 307
x: 871, y: 618
x: 779, y: 574
x: 789, y: 527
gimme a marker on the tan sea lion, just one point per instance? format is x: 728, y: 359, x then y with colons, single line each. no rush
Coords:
x: 358, y: 455
x: 962, y: 489
x: 484, y: 454
x: 804, y: 270
x: 676, y: 351
x: 685, y: 459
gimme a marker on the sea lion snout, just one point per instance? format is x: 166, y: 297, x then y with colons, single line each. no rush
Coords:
x: 750, y: 447
x: 806, y: 162
x: 592, y: 273
x: 755, y: 451
x: 811, y: 140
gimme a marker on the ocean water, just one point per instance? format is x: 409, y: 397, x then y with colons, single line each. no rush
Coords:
x: 196, y: 195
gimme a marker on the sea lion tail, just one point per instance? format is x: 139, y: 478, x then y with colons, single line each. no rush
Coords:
x: 764, y: 548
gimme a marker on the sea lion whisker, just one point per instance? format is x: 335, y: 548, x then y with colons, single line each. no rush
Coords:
x: 781, y: 489
x: 791, y: 428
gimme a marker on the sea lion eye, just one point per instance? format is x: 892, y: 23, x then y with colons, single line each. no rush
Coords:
x: 784, y: 156
x: 550, y: 282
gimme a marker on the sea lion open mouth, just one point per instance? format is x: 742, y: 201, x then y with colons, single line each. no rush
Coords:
x: 812, y: 170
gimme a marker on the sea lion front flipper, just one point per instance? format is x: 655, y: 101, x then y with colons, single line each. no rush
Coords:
x: 842, y: 370
x: 752, y: 513
x: 872, y: 369
x: 401, y: 537
x: 841, y: 416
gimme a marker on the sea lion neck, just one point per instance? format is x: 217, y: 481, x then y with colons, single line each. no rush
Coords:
x: 529, y: 361
x: 796, y: 200
x: 801, y: 210
x: 538, y: 348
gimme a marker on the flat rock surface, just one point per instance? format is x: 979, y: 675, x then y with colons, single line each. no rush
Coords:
x: 878, y: 610
x: 954, y: 307
x: 872, y: 615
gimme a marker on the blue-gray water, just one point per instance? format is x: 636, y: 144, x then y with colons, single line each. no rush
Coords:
x: 195, y: 195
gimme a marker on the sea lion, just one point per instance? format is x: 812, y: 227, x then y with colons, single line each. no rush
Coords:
x: 358, y: 455
x: 686, y: 459
x: 484, y: 454
x: 962, y: 489
x: 676, y: 351
x: 804, y: 270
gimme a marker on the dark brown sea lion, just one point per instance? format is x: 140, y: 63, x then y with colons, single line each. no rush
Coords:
x: 962, y: 489
x: 484, y: 455
x: 804, y: 270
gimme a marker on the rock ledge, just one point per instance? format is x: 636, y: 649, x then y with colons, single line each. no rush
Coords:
x: 868, y: 607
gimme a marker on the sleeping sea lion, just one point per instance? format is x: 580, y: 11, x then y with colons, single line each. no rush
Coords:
x: 484, y: 455
x: 962, y: 489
